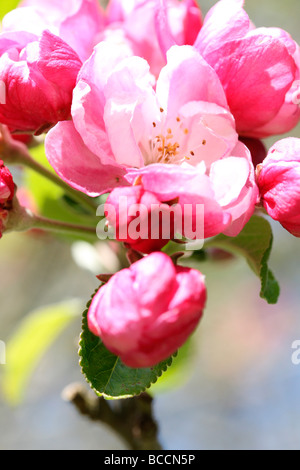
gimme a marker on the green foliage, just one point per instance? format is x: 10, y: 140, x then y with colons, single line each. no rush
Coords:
x: 34, y: 336
x: 7, y: 6
x: 106, y: 373
x: 254, y: 243
x: 180, y: 371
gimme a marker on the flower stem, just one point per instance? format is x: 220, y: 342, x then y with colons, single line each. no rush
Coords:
x: 62, y: 227
x: 77, y: 196
x: 17, y: 153
x: 22, y: 219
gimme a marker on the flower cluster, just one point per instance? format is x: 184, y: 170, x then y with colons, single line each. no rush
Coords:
x: 148, y: 103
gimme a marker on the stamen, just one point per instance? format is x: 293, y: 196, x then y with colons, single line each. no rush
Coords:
x: 137, y: 181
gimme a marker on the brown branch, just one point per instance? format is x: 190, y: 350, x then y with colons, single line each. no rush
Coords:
x: 132, y: 418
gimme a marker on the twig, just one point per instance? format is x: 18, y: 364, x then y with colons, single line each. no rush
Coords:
x: 132, y: 418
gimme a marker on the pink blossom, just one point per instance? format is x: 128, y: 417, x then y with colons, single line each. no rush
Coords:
x: 77, y: 22
x: 144, y: 318
x: 279, y: 183
x: 7, y: 191
x: 39, y: 75
x: 7, y: 187
x: 259, y: 68
x: 120, y: 121
x: 133, y: 22
x: 121, y: 124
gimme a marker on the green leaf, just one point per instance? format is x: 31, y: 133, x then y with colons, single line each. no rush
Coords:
x: 7, y: 6
x: 106, y: 373
x: 179, y: 373
x: 33, y: 338
x: 254, y: 243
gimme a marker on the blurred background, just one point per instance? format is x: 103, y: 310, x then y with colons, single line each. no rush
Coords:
x: 242, y: 391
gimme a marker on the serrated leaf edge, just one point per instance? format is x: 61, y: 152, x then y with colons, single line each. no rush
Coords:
x: 168, y: 364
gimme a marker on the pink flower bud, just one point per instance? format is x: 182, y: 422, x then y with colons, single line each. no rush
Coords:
x: 7, y: 190
x: 146, y: 312
x: 278, y: 179
x: 38, y: 77
x: 137, y: 217
x: 7, y: 187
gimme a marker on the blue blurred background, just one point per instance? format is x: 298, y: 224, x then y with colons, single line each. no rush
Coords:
x: 243, y: 392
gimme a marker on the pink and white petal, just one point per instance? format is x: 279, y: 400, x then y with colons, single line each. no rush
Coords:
x: 192, y: 22
x: 89, y: 100
x: 87, y: 112
x: 286, y: 119
x: 242, y: 208
x: 276, y: 33
x: 80, y: 29
x: 130, y: 110
x: 207, y: 133
x: 163, y: 30
x: 57, y: 61
x: 229, y: 176
x: 15, y: 39
x: 170, y: 181
x: 154, y: 292
x: 27, y: 19
x: 118, y: 117
x: 185, y: 66
x: 107, y: 319
x: 77, y: 22
x: 77, y: 165
x: 256, y: 73
x: 225, y: 21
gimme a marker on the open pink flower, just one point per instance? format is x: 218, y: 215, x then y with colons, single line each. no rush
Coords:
x: 7, y: 190
x: 76, y: 22
x: 39, y: 75
x: 279, y: 183
x: 144, y: 318
x: 259, y: 68
x: 121, y: 124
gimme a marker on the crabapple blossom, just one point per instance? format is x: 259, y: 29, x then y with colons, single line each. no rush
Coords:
x: 121, y: 126
x: 39, y: 75
x: 258, y: 67
x: 278, y: 179
x: 121, y: 121
x: 144, y: 318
